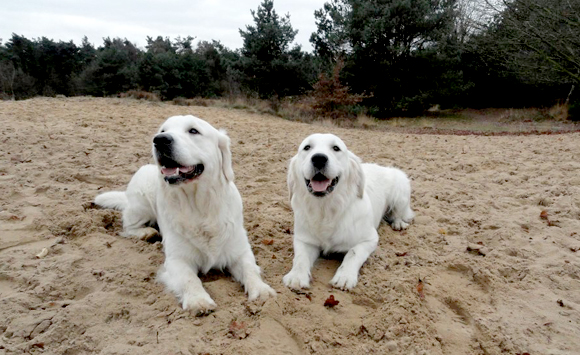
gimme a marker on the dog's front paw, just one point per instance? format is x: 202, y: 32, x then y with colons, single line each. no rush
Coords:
x: 296, y: 280
x: 261, y: 291
x: 399, y: 225
x: 199, y: 304
x: 344, y: 280
x: 146, y: 234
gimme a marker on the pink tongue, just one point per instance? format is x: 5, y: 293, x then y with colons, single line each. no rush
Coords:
x: 186, y: 169
x: 174, y: 171
x: 169, y: 171
x: 319, y: 186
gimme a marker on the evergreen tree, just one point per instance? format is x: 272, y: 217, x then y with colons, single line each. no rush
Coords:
x: 114, y: 69
x: 271, y: 68
x: 396, y: 50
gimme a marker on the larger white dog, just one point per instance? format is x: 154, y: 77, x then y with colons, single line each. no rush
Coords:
x: 191, y: 195
x: 338, y: 204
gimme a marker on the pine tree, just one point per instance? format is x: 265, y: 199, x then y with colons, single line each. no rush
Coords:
x: 271, y: 68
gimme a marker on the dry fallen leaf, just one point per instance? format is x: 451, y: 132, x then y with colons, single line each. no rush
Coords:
x: 238, y: 330
x: 420, y: 289
x: 400, y: 254
x: 442, y: 231
x: 544, y: 214
x: 330, y: 301
x: 267, y: 241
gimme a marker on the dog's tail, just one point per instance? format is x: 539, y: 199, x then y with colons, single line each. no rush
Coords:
x: 113, y: 199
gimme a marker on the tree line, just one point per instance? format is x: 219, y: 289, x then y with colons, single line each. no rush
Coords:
x: 386, y: 57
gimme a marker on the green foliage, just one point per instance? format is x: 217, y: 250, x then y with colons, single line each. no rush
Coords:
x: 270, y: 67
x: 175, y: 69
x: 114, y: 69
x: 574, y: 111
x: 39, y: 67
x: 394, y: 49
x: 381, y: 57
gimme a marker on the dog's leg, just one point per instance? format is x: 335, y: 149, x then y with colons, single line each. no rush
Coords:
x: 401, y: 216
x: 245, y: 270
x: 304, y: 257
x: 346, y: 276
x: 135, y: 217
x: 180, y: 278
x: 145, y: 233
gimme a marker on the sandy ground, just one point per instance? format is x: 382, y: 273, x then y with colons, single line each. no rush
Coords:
x: 515, y: 292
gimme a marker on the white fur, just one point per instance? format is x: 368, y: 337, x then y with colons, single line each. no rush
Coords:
x: 345, y: 220
x: 201, y: 220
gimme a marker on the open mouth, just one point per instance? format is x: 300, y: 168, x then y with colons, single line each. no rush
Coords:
x: 179, y: 174
x: 320, y: 185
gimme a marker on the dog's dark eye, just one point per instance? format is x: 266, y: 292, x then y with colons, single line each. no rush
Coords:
x: 306, y: 147
x: 162, y: 130
x: 336, y: 148
x: 193, y: 131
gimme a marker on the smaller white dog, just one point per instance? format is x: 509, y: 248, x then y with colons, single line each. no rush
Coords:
x: 338, y: 205
x: 191, y: 195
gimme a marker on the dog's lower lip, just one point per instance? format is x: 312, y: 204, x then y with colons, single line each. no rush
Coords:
x: 176, y: 170
x: 328, y: 190
x: 182, y: 173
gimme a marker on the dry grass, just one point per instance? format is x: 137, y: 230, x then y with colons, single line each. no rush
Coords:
x: 487, y: 121
x: 196, y: 101
x: 559, y: 111
x: 140, y: 95
x: 483, y: 121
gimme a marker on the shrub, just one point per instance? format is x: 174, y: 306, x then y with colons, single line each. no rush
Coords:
x: 331, y: 98
x: 574, y: 111
x: 140, y: 95
x: 197, y: 101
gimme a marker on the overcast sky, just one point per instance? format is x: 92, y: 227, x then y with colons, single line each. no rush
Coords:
x: 135, y: 20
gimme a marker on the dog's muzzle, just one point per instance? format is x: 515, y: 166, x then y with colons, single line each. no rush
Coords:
x: 320, y: 185
x: 173, y: 172
x: 176, y: 175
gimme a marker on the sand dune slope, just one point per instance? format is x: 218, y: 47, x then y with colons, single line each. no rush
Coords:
x: 515, y: 292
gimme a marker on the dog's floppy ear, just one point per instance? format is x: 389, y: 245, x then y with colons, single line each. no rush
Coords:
x: 224, y: 146
x: 291, y: 178
x: 356, y: 174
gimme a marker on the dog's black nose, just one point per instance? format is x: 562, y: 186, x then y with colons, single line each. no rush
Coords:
x: 319, y: 161
x: 162, y: 139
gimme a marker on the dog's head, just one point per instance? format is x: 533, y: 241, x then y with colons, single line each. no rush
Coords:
x: 187, y: 148
x: 322, y: 163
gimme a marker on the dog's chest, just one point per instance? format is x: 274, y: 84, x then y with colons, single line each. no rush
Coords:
x: 200, y: 232
x: 324, y: 227
x: 331, y: 229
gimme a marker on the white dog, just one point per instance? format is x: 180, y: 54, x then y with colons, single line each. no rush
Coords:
x: 191, y: 195
x: 338, y: 204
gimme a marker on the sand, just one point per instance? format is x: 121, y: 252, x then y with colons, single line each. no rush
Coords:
x: 515, y: 291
